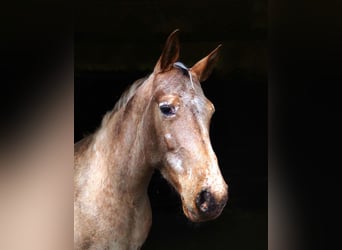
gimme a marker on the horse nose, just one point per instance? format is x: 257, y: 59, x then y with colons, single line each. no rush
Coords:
x: 208, y: 205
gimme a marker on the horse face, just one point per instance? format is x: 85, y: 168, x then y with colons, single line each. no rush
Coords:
x: 182, y: 117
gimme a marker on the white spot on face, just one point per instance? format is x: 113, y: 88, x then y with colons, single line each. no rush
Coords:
x: 175, y: 163
x: 168, y: 136
x: 190, y: 173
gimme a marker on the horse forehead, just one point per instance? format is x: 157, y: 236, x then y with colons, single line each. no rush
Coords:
x: 174, y: 78
x: 194, y: 99
x: 175, y: 82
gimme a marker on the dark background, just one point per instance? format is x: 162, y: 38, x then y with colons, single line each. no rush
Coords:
x: 117, y: 42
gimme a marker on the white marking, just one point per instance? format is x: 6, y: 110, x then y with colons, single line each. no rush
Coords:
x: 168, y: 136
x: 176, y: 163
x: 190, y: 173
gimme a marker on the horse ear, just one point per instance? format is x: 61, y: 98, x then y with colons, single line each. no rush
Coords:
x: 204, y: 67
x: 170, y: 53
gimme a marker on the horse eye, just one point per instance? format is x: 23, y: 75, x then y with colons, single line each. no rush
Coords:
x: 167, y: 109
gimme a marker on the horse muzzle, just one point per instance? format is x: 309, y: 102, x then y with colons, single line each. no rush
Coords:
x: 207, y: 206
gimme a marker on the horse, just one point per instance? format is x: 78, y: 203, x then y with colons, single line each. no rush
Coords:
x: 160, y: 123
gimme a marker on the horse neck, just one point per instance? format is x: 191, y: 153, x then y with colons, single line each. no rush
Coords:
x: 124, y: 144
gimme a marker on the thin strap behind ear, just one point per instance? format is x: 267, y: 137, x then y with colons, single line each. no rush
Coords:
x: 185, y: 70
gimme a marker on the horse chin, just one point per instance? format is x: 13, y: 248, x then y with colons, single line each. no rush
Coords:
x: 190, y: 214
x: 193, y: 216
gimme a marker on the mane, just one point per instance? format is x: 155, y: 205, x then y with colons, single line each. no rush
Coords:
x: 128, y: 94
x: 125, y: 97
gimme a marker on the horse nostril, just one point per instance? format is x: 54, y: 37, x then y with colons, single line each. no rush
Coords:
x: 205, y: 202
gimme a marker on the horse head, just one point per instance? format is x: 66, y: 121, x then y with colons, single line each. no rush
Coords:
x: 181, y: 119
